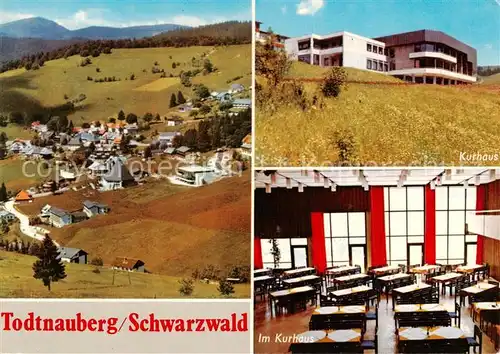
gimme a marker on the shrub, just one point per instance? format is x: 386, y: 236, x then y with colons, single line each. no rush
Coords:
x: 333, y: 81
x: 96, y: 270
x: 186, y: 287
x: 225, y: 288
x: 346, y: 145
x: 97, y: 261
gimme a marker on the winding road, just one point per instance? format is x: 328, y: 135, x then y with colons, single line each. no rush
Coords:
x: 24, y: 220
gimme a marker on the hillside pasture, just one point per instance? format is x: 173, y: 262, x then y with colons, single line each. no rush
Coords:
x: 174, y: 230
x: 45, y: 89
x: 159, y: 85
x: 379, y: 123
x: 82, y: 281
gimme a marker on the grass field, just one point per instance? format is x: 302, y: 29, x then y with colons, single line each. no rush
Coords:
x: 16, y: 280
x: 493, y: 79
x: 159, y: 85
x: 383, y: 124
x: 15, y: 131
x: 11, y: 173
x: 32, y: 91
x: 174, y: 230
x: 302, y: 70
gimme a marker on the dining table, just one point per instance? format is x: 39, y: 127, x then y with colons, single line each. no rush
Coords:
x: 327, y: 341
x: 290, y: 296
x: 411, y: 339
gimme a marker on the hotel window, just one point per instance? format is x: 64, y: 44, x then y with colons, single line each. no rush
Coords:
x: 380, y: 50
x: 380, y: 66
x: 369, y: 47
x: 393, y: 66
x: 404, y: 221
x: 368, y: 64
x: 375, y: 49
x: 345, y: 234
x: 391, y: 53
x: 285, y: 246
x: 385, y: 67
x: 386, y: 52
x: 452, y: 205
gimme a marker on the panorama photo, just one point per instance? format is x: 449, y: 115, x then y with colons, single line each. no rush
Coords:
x: 358, y: 83
x: 125, y: 149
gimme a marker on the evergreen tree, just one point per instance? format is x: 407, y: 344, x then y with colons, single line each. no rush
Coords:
x: 48, y: 267
x: 180, y: 98
x: 3, y: 193
x: 177, y: 141
x: 173, y: 103
x: 203, y: 137
x: 131, y: 118
x: 148, y: 117
x: 121, y: 116
x: 147, y: 152
x: 190, y: 138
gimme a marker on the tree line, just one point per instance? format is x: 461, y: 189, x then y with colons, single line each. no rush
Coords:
x: 227, y: 33
x: 220, y: 131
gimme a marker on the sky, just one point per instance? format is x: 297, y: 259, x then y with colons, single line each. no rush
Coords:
x: 474, y: 22
x: 75, y: 14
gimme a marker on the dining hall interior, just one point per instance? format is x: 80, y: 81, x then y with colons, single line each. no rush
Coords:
x: 376, y: 260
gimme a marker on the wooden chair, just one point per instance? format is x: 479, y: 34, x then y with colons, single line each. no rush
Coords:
x: 477, y: 340
x: 456, y: 315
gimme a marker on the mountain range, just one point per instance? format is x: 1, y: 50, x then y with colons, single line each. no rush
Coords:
x: 39, y: 27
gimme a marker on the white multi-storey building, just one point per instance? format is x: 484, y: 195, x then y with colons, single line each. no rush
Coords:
x: 339, y: 49
x: 423, y: 56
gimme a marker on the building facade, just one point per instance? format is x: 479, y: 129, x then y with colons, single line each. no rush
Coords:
x: 423, y: 56
x: 263, y: 36
x: 428, y: 56
x: 338, y: 49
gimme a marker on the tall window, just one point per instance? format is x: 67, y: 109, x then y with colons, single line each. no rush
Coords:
x: 452, y: 204
x: 285, y: 247
x: 404, y: 221
x: 341, y: 231
x: 368, y: 64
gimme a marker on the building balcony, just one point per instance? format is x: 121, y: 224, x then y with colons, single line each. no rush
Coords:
x: 438, y: 72
x: 437, y: 55
x: 486, y: 223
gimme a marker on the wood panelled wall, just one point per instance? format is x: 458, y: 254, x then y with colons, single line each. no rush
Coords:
x: 291, y: 210
x: 491, y: 246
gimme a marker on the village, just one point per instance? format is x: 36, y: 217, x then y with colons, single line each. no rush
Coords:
x: 120, y: 153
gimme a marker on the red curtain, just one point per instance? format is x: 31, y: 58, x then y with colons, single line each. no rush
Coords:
x: 430, y: 226
x: 257, y: 254
x: 480, y: 205
x: 318, y: 242
x: 377, y: 225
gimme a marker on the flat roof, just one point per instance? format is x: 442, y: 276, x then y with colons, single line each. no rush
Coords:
x: 195, y: 169
x: 338, y: 34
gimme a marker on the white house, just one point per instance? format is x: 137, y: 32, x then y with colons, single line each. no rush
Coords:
x: 93, y: 208
x: 6, y: 216
x: 117, y: 175
x: 336, y: 49
x: 195, y: 175
x: 97, y: 169
x: 236, y: 88
x: 242, y: 103
x: 73, y: 255
x: 167, y: 138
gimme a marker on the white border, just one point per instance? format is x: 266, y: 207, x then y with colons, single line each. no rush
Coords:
x: 252, y: 189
